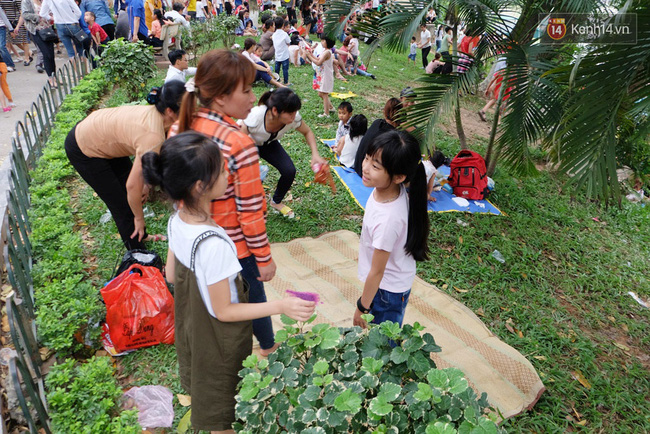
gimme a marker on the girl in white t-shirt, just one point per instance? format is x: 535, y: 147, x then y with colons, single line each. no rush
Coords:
x: 346, y: 149
x: 213, y: 326
x: 395, y: 226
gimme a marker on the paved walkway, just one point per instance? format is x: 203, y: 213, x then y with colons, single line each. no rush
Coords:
x: 25, y: 84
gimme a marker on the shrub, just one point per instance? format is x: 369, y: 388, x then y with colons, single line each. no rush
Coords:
x: 330, y: 380
x: 83, y: 399
x: 129, y: 64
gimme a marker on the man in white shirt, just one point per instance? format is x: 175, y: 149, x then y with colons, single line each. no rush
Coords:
x: 281, y: 41
x: 179, y: 69
x: 425, y: 44
x: 175, y: 15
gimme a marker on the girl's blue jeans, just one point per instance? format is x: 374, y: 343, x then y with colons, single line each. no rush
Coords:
x: 389, y: 306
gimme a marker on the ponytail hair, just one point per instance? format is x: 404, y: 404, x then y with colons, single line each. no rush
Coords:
x: 284, y: 100
x: 168, y: 96
x: 219, y: 73
x: 400, y: 155
x: 183, y: 160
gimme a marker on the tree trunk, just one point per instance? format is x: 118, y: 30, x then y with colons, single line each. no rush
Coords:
x: 459, y: 125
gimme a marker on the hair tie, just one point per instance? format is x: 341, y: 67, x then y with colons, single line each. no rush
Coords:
x: 190, y: 86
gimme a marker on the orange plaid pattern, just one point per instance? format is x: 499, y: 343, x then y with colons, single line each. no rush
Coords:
x: 241, y: 211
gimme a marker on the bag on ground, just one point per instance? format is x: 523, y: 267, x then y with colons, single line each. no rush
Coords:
x: 468, y: 176
x: 139, y: 310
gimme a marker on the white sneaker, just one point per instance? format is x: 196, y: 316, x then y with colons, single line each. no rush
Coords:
x: 12, y: 104
x: 10, y: 69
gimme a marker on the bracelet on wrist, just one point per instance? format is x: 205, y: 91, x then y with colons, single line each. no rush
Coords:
x: 362, y: 308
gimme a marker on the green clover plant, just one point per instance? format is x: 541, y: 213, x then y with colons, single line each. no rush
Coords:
x: 331, y: 380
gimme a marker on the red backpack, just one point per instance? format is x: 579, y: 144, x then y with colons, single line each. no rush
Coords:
x: 468, y: 176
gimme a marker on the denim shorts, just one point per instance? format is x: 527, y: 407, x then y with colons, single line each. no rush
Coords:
x: 412, y: 57
x: 389, y: 306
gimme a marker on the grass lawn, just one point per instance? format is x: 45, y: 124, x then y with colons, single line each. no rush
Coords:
x: 560, y: 298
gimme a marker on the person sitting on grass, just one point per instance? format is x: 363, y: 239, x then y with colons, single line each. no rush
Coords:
x: 263, y: 71
x: 179, y: 68
x: 345, y: 113
x: 346, y: 148
x: 435, y: 66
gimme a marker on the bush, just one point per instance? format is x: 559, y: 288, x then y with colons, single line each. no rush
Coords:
x: 83, y: 399
x: 331, y: 380
x: 129, y: 64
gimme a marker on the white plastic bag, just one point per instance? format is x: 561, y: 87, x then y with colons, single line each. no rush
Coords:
x: 154, y: 404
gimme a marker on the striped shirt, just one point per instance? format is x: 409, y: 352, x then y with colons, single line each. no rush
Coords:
x: 241, y: 211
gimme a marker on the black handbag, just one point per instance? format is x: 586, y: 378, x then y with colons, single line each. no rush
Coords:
x: 81, y: 36
x: 48, y: 34
x: 141, y: 257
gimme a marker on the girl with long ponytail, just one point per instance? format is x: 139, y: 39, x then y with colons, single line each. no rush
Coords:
x: 395, y: 226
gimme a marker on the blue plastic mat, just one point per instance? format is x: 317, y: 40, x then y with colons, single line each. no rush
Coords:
x: 444, y: 200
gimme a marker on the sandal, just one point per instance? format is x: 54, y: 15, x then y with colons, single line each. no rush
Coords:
x: 156, y: 238
x: 285, y: 211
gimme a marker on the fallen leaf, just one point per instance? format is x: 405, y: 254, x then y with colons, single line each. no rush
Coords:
x: 5, y: 324
x: 539, y: 357
x: 445, y: 286
x: 460, y: 290
x: 509, y: 325
x: 524, y: 275
x: 434, y: 280
x: 519, y: 333
x: 460, y: 239
x: 513, y: 289
x: 480, y: 312
x: 184, y: 400
x: 457, y: 256
x: 307, y: 184
x: 582, y: 422
x: 622, y: 346
x: 611, y: 318
x: 101, y: 353
x: 624, y: 327
x: 184, y: 424
x: 480, y: 261
x: 577, y: 375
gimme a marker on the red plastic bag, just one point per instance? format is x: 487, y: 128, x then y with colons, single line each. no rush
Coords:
x: 139, y: 310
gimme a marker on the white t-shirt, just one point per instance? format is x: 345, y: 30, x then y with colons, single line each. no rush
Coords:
x: 317, y: 51
x: 385, y: 227
x: 349, y: 150
x: 247, y: 55
x: 199, y: 8
x: 281, y: 41
x: 425, y: 35
x: 215, y: 259
x: 353, y: 47
x: 257, y: 130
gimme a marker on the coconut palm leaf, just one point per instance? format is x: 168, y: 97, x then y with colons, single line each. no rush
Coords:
x: 601, y: 83
x: 534, y: 102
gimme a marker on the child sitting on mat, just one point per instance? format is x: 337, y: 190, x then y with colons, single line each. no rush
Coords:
x: 431, y: 166
x: 344, y: 113
x: 347, y: 146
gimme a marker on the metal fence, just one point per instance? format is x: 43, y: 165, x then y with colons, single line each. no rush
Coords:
x: 30, y: 136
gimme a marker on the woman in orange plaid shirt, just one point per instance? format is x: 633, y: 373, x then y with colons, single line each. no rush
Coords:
x: 221, y: 90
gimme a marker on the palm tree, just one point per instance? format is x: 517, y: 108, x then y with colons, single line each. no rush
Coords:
x: 536, y: 105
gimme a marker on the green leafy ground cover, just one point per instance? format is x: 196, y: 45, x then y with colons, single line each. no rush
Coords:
x: 560, y: 298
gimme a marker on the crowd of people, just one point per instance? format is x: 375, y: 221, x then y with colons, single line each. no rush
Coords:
x: 201, y: 140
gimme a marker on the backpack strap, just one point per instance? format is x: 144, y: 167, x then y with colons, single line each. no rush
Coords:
x: 202, y: 237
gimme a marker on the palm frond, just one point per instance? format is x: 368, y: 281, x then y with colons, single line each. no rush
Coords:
x: 587, y: 137
x: 534, y: 103
x: 436, y: 96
